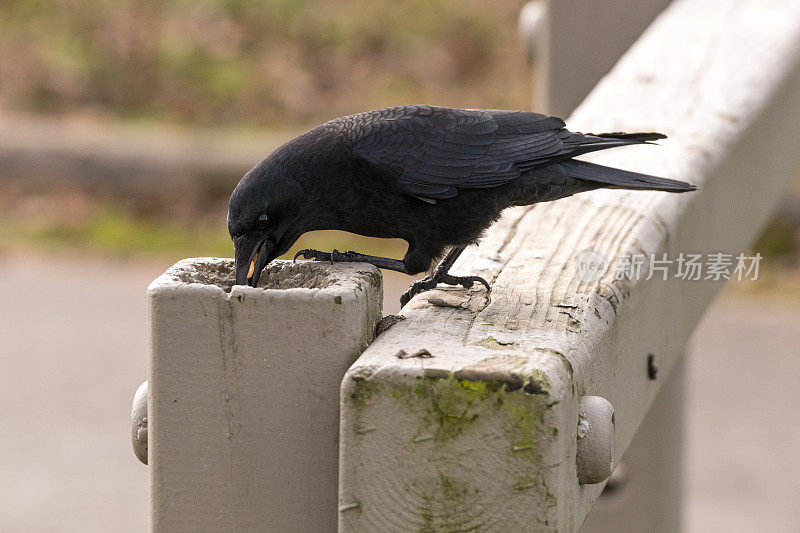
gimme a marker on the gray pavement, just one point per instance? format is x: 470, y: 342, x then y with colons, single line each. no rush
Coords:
x: 743, y: 428
x: 72, y: 349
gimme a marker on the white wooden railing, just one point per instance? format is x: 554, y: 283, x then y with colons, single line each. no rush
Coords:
x: 531, y: 396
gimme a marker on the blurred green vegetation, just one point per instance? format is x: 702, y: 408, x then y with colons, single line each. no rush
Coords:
x: 265, y: 64
x: 779, y: 242
x: 109, y: 230
x: 239, y: 64
x: 258, y: 62
x: 112, y: 230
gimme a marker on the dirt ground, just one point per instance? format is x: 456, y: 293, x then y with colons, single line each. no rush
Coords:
x: 72, y: 333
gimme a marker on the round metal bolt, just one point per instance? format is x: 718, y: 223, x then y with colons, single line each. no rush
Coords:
x: 139, y: 423
x: 595, y: 454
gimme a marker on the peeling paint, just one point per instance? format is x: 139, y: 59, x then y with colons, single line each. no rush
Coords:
x: 491, y: 342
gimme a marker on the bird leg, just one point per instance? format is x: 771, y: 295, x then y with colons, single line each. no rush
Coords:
x: 353, y: 257
x: 441, y: 275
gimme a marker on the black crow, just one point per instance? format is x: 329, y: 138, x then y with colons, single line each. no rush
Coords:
x: 434, y: 176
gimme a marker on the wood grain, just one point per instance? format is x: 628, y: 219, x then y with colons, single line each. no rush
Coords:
x: 721, y: 79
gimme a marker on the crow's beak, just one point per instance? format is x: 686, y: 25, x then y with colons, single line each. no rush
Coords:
x: 249, y: 267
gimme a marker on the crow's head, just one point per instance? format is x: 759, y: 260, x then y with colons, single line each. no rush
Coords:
x: 263, y: 219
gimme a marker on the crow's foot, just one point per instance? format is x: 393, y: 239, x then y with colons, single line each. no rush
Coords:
x: 352, y: 257
x: 429, y: 282
x: 334, y: 257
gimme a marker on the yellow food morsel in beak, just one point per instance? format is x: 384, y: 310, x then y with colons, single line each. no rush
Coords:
x: 252, y: 266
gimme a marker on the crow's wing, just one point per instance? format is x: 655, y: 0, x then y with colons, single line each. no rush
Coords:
x: 435, y: 151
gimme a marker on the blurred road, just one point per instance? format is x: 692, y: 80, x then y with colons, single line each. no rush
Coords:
x: 73, y: 353
x: 72, y: 349
x: 742, y: 465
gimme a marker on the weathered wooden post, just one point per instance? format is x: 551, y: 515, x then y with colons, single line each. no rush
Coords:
x: 489, y: 434
x: 645, y: 493
x: 243, y: 396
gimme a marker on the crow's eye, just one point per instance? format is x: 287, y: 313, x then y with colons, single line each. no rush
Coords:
x: 262, y: 221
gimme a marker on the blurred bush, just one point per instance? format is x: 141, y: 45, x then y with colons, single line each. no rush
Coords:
x: 779, y: 241
x: 275, y: 64
x: 263, y: 62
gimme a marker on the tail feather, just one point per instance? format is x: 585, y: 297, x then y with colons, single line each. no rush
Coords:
x: 650, y: 136
x: 578, y: 143
x: 616, y: 178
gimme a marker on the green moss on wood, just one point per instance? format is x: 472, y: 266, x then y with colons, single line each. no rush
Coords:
x: 448, y: 410
x: 448, y: 506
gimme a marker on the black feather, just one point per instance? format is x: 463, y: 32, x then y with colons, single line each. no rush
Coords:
x: 652, y: 136
x: 436, y: 151
x: 434, y: 176
x: 616, y: 178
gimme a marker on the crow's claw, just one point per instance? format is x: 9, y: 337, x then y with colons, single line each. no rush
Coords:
x: 429, y: 282
x: 464, y: 281
x: 312, y: 254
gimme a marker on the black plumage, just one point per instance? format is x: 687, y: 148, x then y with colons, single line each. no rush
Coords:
x: 434, y: 176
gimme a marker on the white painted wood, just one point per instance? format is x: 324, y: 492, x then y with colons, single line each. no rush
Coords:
x: 482, y: 436
x: 244, y: 386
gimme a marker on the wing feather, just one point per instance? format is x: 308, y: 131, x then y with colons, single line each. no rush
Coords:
x: 434, y: 151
